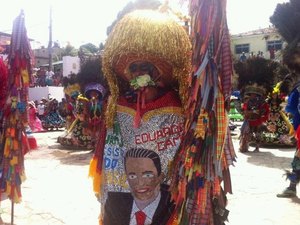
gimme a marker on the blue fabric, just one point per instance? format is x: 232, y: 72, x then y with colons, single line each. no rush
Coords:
x: 292, y: 107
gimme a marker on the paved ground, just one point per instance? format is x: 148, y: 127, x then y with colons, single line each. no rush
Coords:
x: 57, y: 190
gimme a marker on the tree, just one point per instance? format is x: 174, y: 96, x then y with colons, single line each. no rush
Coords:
x: 69, y: 50
x: 89, y: 48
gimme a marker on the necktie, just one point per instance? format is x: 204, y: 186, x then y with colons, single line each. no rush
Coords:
x: 140, y: 217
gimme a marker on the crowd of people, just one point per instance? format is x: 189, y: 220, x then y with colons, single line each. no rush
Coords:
x: 45, y: 115
x: 46, y: 77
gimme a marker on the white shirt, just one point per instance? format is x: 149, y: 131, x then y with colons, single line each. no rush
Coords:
x: 41, y: 109
x: 149, y: 210
x: 49, y: 74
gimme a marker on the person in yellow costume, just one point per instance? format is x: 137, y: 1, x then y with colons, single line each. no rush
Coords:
x: 146, y: 61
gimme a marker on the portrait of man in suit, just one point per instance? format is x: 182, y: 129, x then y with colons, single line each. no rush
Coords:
x: 149, y: 199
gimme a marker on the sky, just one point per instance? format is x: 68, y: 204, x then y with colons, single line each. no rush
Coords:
x: 80, y: 22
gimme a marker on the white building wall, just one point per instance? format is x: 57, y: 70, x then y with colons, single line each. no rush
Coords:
x: 257, y: 42
x: 37, y: 93
x: 70, y: 65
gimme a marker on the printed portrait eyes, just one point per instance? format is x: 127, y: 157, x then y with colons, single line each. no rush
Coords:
x: 148, y: 175
x: 132, y: 176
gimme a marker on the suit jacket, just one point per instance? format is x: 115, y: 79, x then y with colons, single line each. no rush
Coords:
x: 118, y: 208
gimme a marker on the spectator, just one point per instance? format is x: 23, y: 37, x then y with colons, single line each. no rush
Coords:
x: 243, y: 57
x: 49, y: 77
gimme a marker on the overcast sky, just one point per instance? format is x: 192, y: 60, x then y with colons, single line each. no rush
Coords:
x: 80, y: 22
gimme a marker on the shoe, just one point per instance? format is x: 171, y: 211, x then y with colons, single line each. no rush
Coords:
x: 287, y: 193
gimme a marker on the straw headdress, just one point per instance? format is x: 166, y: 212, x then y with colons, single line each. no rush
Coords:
x: 146, y: 35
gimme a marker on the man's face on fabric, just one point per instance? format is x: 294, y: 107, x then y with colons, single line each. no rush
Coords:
x: 142, y: 178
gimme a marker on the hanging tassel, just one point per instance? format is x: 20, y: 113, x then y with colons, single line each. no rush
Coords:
x: 137, y: 117
x: 143, y: 96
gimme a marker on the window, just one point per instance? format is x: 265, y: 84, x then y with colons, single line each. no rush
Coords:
x: 276, y: 45
x: 239, y: 49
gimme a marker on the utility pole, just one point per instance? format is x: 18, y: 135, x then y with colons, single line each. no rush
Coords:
x: 50, y: 40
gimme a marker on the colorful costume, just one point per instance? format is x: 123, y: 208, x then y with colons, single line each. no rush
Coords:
x: 52, y: 119
x: 94, y: 87
x: 132, y: 119
x: 286, y: 20
x: 76, y: 135
x: 71, y: 90
x: 256, y: 78
x: 256, y: 112
x: 279, y: 129
x: 88, y: 107
x: 186, y: 123
x: 14, y: 143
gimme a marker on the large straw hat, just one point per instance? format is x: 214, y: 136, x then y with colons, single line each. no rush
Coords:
x: 147, y: 35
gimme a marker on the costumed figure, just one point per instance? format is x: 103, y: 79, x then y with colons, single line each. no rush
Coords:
x: 286, y: 20
x: 77, y: 134
x: 85, y: 127
x: 146, y: 62
x: 94, y: 87
x: 72, y: 91
x: 279, y: 128
x: 35, y: 123
x: 52, y: 119
x: 256, y: 77
x: 14, y: 142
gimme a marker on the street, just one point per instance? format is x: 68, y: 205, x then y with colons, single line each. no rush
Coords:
x: 57, y: 190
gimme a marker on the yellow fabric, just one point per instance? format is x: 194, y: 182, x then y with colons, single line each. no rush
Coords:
x: 95, y: 175
x: 288, y: 123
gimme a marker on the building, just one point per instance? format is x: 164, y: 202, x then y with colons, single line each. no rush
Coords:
x: 4, y: 43
x: 267, y: 40
x: 41, y: 55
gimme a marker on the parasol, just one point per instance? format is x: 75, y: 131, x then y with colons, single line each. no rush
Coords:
x: 15, y: 142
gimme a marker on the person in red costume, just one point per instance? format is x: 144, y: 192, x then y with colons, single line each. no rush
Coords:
x: 256, y: 112
x: 255, y: 80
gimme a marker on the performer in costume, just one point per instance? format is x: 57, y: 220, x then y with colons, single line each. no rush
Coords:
x: 146, y: 62
x: 77, y: 134
x: 71, y: 90
x: 94, y: 87
x: 52, y: 119
x: 83, y: 132
x: 279, y: 129
x: 285, y: 19
x: 256, y: 77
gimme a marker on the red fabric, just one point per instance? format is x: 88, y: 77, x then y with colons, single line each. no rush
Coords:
x: 140, y: 217
x: 169, y: 99
x: 263, y: 117
x: 32, y: 143
x: 3, y: 83
x: 99, y: 150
